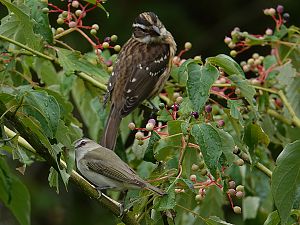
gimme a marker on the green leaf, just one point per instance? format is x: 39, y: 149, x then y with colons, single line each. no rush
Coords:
x: 44, y: 108
x: 19, y: 26
x: 53, y: 179
x: 168, y: 200
x: 286, y: 179
x: 75, y: 62
x: 100, y: 5
x: 227, y: 145
x: 41, y: 21
x: 273, y: 219
x: 167, y: 147
x: 230, y: 66
x: 217, y: 220
x: 246, y: 89
x: 200, y: 80
x: 174, y: 126
x: 149, y: 155
x: 210, y: 145
x: 234, y: 106
x: 46, y: 71
x: 250, y: 207
x: 14, y: 194
x: 255, y: 135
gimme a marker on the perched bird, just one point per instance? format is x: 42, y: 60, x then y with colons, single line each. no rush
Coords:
x: 105, y: 169
x: 140, y: 71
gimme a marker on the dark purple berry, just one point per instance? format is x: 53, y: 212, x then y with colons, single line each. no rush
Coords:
x: 286, y: 17
x: 280, y: 9
x: 175, y: 107
x: 195, y: 115
x: 107, y: 39
x: 208, y: 108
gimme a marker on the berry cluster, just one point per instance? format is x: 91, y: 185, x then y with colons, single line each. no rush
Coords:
x: 178, y: 61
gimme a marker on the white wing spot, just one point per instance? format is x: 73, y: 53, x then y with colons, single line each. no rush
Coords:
x: 140, y: 66
x: 129, y: 90
x: 109, y: 84
x: 147, y: 68
x: 133, y: 80
x: 113, y: 73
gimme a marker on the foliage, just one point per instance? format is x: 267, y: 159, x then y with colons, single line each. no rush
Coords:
x: 213, y: 145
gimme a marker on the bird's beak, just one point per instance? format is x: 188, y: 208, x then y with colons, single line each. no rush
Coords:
x: 156, y: 29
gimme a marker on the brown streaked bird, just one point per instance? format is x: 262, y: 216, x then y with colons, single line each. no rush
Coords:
x: 105, y: 169
x: 140, y: 71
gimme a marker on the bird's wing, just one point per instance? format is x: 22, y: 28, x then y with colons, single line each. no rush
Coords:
x: 112, y: 167
x: 144, y: 75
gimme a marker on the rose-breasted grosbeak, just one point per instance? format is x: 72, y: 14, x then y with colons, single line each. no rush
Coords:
x: 140, y: 71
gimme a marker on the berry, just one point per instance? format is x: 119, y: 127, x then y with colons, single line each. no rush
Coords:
x: 98, y: 51
x: 105, y: 44
x: 201, y: 164
x: 75, y: 4
x: 187, y: 45
x: 64, y: 14
x: 280, y: 9
x: 266, y: 12
x: 227, y: 40
x: 193, y: 178
x: 255, y: 55
x: 286, y: 16
x: 231, y: 184
x: 272, y: 11
x: 60, y: 21
x: 237, y: 91
x: 233, y: 53
x: 195, y: 167
x: 240, y: 188
x: 236, y: 150
x: 239, y: 194
x: 199, y: 198
x: 139, y: 135
x: 195, y: 115
x: 246, y: 68
x: 95, y: 26
x: 131, y: 126
x: 108, y: 62
x: 182, y: 61
x: 221, y: 123
x: 117, y: 48
x: 78, y: 12
x: 197, y: 58
x: 114, y: 38
x: 269, y: 31
x: 203, y: 172
x: 110, y: 69
x: 59, y: 30
x: 250, y: 61
x: 231, y: 191
x: 176, y: 60
x: 45, y: 10
x: 231, y: 45
x: 149, y: 126
x: 239, y: 162
x: 237, y: 210
x: 152, y: 121
x: 93, y: 31
x: 208, y: 108
x: 72, y: 24
x: 161, y: 105
x: 175, y: 95
x: 179, y: 100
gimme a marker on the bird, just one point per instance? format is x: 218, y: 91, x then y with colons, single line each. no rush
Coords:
x: 139, y: 73
x: 106, y: 170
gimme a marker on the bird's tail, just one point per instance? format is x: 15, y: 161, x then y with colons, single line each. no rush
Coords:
x: 110, y: 134
x: 155, y: 189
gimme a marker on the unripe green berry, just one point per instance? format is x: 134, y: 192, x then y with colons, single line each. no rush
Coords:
x: 195, y: 167
x: 93, y: 32
x: 246, y: 68
x: 179, y: 100
x: 95, y: 26
x: 139, y: 135
x: 131, y: 126
x: 269, y: 31
x: 149, y: 126
x: 272, y: 11
x: 237, y: 210
x: 203, y: 172
x: 64, y: 14
x: 199, y: 198
x: 72, y: 24
x: 110, y: 69
x: 237, y: 91
x: 255, y: 55
x: 231, y: 45
x: 105, y: 44
x: 197, y: 58
x: 60, y: 21
x: 250, y: 61
x: 45, y: 10
x: 117, y: 48
x: 201, y: 164
x: 59, y: 30
x: 78, y: 12
x: 114, y: 38
x: 233, y: 53
x: 187, y: 45
x: 240, y: 188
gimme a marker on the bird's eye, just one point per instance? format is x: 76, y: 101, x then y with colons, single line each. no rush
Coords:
x: 82, y: 143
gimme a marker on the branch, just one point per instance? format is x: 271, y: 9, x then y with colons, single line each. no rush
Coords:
x: 27, y: 48
x: 33, y: 144
x: 91, y: 80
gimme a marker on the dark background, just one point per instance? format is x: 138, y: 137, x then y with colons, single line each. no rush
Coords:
x: 203, y: 23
